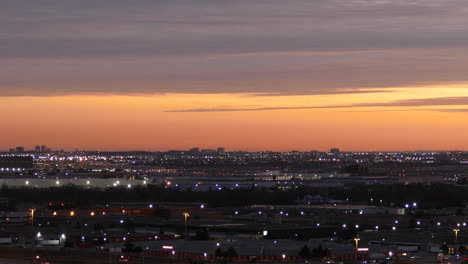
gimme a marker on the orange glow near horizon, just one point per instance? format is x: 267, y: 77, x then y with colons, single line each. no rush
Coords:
x: 122, y: 122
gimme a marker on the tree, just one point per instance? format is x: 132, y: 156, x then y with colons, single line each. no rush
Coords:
x: 202, y: 234
x: 128, y: 247
x: 444, y: 248
x: 98, y: 227
x: 138, y: 249
x: 412, y: 223
x: 305, y: 252
x: 129, y: 225
x: 219, y: 252
x: 320, y: 252
x: 231, y: 253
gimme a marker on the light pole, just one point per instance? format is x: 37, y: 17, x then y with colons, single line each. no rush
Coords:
x: 32, y: 230
x: 32, y: 221
x: 32, y: 216
x: 356, y: 240
x: 455, y: 231
x: 186, y: 216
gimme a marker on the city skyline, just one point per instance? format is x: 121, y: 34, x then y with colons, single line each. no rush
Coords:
x: 216, y: 149
x: 246, y: 75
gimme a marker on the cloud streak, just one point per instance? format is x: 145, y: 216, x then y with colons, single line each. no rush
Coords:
x: 441, y: 101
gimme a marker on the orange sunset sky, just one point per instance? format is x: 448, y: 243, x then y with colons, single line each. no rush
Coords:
x: 244, y: 75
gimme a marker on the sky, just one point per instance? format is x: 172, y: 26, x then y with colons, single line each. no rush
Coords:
x: 361, y: 75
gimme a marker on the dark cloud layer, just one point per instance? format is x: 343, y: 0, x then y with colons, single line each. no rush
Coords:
x: 207, y: 46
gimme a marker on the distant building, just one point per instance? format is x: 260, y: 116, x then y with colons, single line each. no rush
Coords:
x: 20, y: 149
x: 37, y: 149
x: 356, y: 170
x: 208, y: 151
x: 194, y: 150
x: 221, y: 150
x: 43, y: 148
x: 335, y: 150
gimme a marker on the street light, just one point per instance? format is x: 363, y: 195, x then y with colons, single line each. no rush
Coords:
x: 32, y: 217
x: 32, y: 229
x: 186, y: 216
x: 356, y: 240
x: 455, y: 231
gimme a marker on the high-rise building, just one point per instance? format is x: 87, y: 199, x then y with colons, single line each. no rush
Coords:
x: 221, y: 150
x: 20, y: 149
x: 37, y: 149
x: 43, y: 148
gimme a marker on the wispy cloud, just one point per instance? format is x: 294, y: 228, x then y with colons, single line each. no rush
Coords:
x: 440, y: 101
x: 462, y: 110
